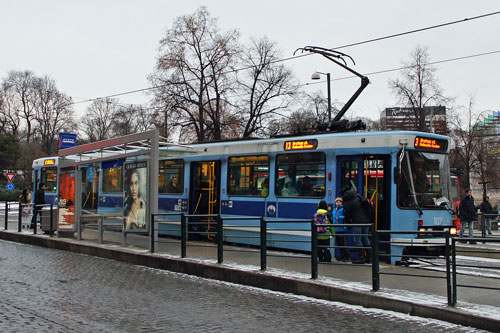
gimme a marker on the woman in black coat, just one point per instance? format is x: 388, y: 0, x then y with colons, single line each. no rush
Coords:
x: 353, y: 214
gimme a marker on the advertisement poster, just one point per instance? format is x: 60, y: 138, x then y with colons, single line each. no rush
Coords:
x: 135, y: 208
x: 66, y: 201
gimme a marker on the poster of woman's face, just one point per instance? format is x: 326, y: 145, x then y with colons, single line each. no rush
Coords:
x: 135, y: 207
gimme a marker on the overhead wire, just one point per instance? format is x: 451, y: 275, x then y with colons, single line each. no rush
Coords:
x: 334, y: 48
x: 401, y: 68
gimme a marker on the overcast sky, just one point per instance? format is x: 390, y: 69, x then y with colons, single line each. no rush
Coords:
x: 96, y: 48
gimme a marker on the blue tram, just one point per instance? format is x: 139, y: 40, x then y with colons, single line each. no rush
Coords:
x: 45, y: 171
x: 405, y: 174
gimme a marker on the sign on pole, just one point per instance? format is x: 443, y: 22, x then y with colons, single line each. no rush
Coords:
x: 67, y: 140
x: 10, y: 176
x: 10, y: 187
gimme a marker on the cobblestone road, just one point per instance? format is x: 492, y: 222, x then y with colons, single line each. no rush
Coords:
x: 45, y: 290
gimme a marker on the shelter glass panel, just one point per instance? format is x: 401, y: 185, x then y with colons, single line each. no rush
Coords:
x: 66, y: 199
x: 112, y: 180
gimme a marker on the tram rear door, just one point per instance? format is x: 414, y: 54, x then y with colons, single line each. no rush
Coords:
x: 204, y: 193
x: 368, y: 175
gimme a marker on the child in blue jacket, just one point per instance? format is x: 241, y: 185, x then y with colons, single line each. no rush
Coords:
x: 340, y: 232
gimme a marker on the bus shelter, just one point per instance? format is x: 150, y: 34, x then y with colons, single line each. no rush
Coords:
x: 112, y: 183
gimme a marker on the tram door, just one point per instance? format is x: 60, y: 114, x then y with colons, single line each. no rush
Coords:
x: 368, y: 175
x: 204, y: 193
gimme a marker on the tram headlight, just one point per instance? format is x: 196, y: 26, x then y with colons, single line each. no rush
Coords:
x: 422, y: 229
x: 453, y: 231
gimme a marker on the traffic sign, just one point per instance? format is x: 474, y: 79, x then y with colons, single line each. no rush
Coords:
x: 10, y: 176
x: 10, y: 187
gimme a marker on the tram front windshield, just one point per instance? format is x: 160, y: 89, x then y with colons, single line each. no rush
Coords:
x: 425, y: 181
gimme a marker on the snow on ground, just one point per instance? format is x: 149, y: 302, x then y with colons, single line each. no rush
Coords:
x: 397, y: 294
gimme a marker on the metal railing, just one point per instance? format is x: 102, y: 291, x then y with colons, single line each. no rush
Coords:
x: 446, y: 257
x: 189, y: 225
x: 454, y: 264
x: 482, y: 217
x: 97, y: 222
x: 32, y: 207
x: 449, y: 257
x: 315, y: 247
x: 213, y: 227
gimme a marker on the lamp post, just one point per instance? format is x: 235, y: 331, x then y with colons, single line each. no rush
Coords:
x: 317, y: 76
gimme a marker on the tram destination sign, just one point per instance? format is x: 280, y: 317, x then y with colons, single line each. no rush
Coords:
x: 431, y: 143
x: 301, y: 144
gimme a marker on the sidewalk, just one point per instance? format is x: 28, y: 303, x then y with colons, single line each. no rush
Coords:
x: 347, y: 283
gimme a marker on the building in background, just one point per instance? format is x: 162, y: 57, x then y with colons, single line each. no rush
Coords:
x: 403, y: 118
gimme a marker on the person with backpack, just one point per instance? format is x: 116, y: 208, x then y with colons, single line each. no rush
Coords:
x: 355, y: 214
x: 324, y: 233
x: 340, y: 232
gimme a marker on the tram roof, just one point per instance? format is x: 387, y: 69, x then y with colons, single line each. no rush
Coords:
x: 376, y: 139
x: 136, y: 144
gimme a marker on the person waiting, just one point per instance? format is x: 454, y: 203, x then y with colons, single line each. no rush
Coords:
x: 340, y: 232
x: 289, y: 189
x: 487, y: 210
x: 306, y: 188
x: 173, y: 186
x: 264, y: 187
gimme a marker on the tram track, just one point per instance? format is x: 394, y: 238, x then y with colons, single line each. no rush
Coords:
x: 466, y: 265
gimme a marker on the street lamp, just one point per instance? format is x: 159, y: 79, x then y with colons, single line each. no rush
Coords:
x: 317, y: 76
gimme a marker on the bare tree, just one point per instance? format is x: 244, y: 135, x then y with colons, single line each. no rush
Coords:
x: 319, y: 105
x: 143, y: 118
x: 487, y: 154
x: 470, y: 152
x: 192, y: 75
x: 53, y: 112
x: 267, y: 85
x: 18, y: 108
x: 10, y: 119
x: 131, y: 118
x: 418, y: 86
x: 98, y: 120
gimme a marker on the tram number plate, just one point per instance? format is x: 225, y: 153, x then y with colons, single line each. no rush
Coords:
x: 438, y: 220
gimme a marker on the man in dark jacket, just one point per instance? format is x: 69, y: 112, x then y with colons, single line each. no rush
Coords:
x: 467, y: 210
x: 39, y: 200
x: 353, y: 214
x: 486, y: 209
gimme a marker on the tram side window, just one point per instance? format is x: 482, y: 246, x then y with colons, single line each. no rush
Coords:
x: 404, y: 194
x: 49, y: 178
x: 301, y: 175
x: 112, y: 180
x: 248, y: 176
x: 171, y: 177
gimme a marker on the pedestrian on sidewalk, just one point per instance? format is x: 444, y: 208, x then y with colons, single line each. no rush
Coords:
x: 354, y: 214
x: 24, y: 202
x: 486, y: 209
x: 324, y: 233
x: 466, y: 211
x: 340, y: 232
x: 39, y: 202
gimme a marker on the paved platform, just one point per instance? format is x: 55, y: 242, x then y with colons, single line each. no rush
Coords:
x: 291, y: 273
